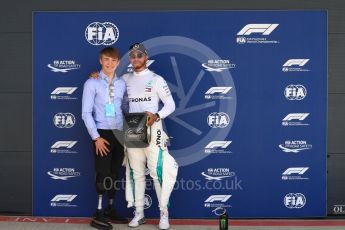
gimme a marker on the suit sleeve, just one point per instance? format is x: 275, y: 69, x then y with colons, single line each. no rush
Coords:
x: 165, y: 96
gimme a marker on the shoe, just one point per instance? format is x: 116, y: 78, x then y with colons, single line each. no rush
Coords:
x: 100, y: 222
x: 113, y: 216
x: 164, y: 220
x: 138, y: 219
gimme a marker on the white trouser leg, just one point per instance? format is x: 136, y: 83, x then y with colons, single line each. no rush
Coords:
x: 136, y: 164
x: 163, y: 167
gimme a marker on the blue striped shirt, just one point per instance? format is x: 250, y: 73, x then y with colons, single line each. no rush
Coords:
x: 96, y: 96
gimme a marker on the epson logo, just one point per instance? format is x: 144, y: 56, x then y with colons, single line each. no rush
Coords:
x: 295, y: 92
x: 140, y: 99
x: 98, y: 33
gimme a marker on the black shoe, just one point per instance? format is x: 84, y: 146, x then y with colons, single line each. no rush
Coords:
x: 113, y: 216
x: 100, y: 222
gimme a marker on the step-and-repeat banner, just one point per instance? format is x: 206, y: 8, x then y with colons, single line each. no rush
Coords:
x: 249, y: 129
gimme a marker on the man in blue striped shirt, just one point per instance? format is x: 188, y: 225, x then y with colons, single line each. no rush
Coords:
x: 104, y: 102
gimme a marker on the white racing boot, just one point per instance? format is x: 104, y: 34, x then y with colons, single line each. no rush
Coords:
x: 164, y: 220
x: 138, y: 219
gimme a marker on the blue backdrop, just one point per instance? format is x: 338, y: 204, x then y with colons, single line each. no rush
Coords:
x: 249, y: 130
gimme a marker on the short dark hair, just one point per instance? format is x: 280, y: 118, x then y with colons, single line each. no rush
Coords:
x: 111, y: 52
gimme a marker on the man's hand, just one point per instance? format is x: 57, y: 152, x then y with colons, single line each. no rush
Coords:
x: 101, y: 148
x: 152, y: 118
x: 94, y: 75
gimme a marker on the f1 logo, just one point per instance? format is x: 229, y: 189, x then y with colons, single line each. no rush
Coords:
x: 296, y: 116
x: 296, y: 170
x: 298, y: 62
x: 221, y: 198
x: 218, y: 89
x: 66, y: 90
x: 264, y: 29
x: 63, y: 144
x: 218, y: 144
x: 64, y: 197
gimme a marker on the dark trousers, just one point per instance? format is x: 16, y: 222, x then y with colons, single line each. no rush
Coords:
x: 107, y: 167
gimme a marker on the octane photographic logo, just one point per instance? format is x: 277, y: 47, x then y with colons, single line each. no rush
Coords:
x: 105, y: 33
x: 245, y: 35
x: 218, y: 173
x: 218, y: 147
x: 63, y: 173
x: 184, y: 57
x: 63, y: 66
x: 63, y: 200
x: 295, y: 173
x: 295, y: 92
x: 295, y: 65
x: 63, y: 147
x: 294, y: 200
x: 63, y: 93
x: 295, y: 119
x: 218, y: 92
x: 218, y: 120
x: 218, y: 65
x: 215, y: 201
x: 295, y: 146
x: 64, y: 120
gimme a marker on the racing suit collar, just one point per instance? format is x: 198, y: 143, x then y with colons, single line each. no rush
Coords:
x: 141, y: 72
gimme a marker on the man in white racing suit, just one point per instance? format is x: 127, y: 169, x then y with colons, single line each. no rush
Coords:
x: 145, y: 89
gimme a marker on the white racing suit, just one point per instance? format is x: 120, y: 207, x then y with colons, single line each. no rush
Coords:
x: 145, y: 90
x: 162, y: 166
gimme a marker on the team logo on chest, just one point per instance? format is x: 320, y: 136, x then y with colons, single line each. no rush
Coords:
x: 148, y: 88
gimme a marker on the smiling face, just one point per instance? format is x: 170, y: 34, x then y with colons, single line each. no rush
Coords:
x: 138, y: 60
x: 109, y: 64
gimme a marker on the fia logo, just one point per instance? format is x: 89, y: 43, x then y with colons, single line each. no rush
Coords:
x: 218, y: 120
x: 295, y: 92
x: 64, y: 120
x: 98, y: 33
x: 147, y: 201
x: 294, y: 200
